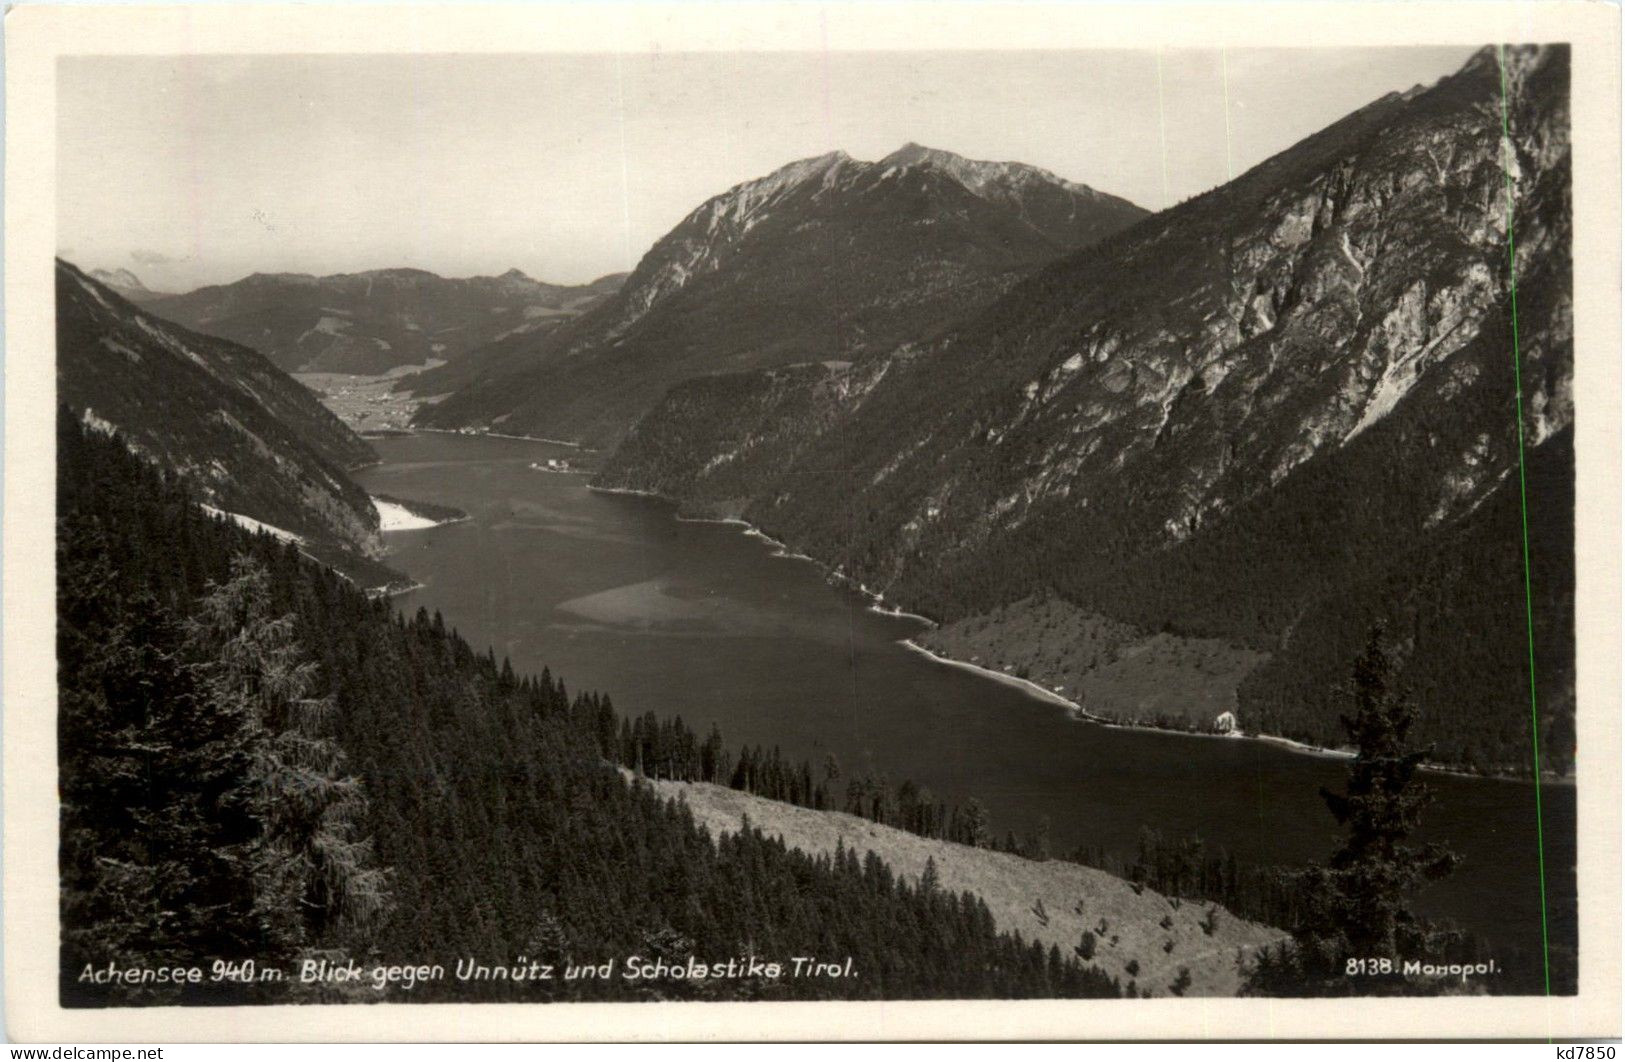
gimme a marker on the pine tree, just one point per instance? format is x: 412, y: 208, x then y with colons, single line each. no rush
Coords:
x: 976, y: 826
x: 1041, y: 839
x: 154, y: 811
x: 313, y: 874
x: 1357, y: 906
x: 930, y: 878
x: 507, y: 832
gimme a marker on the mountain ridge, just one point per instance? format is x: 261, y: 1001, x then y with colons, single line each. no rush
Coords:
x: 254, y: 444
x: 372, y: 321
x: 821, y: 259
x: 1194, y: 425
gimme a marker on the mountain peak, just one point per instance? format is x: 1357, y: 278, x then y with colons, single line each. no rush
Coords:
x: 980, y: 177
x: 742, y: 204
x: 802, y: 169
x: 911, y: 153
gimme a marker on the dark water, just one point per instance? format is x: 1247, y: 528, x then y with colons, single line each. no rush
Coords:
x: 699, y: 620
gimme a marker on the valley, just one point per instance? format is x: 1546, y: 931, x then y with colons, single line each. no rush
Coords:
x: 369, y: 403
x: 1236, y: 422
x: 705, y: 622
x: 921, y: 557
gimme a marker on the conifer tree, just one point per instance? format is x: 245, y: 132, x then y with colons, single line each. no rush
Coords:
x: 506, y: 831
x: 975, y: 824
x: 930, y: 878
x: 1357, y: 906
x: 313, y: 873
x: 154, y: 810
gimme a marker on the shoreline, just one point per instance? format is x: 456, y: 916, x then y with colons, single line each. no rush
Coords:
x: 1027, y: 686
x: 734, y: 520
x: 1289, y: 744
x: 632, y: 492
x: 502, y: 435
x: 1035, y: 689
x: 877, y: 600
x: 391, y: 590
x: 406, y: 518
x: 438, y: 523
x: 779, y: 550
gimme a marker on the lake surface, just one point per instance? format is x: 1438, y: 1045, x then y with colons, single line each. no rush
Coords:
x: 699, y: 620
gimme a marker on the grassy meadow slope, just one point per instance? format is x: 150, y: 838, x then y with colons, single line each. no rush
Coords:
x: 1072, y: 898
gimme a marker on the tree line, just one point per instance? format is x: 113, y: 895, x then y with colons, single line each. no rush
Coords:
x: 1181, y: 868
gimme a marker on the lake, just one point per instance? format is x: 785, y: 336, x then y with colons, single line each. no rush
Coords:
x: 699, y: 620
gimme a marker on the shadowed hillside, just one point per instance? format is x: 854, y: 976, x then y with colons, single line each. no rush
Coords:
x: 1265, y: 416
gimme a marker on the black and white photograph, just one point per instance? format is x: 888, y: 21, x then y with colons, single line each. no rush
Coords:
x: 844, y: 525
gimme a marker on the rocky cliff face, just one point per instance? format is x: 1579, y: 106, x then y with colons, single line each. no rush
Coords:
x: 1225, y: 420
x: 825, y: 259
x: 375, y: 321
x: 250, y: 440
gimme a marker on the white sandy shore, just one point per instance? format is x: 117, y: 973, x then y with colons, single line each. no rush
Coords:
x: 393, y: 517
x: 624, y: 490
x: 734, y: 520
x: 387, y: 590
x: 1026, y: 685
x: 780, y: 550
x: 878, y: 606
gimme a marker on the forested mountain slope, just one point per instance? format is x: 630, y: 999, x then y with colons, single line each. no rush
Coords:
x: 248, y: 439
x: 372, y: 322
x: 1268, y: 415
x: 480, y: 819
x: 822, y: 260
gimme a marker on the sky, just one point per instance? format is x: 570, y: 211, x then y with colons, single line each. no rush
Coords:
x: 202, y: 169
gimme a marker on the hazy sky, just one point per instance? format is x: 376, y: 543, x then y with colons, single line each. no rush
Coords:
x: 200, y: 170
